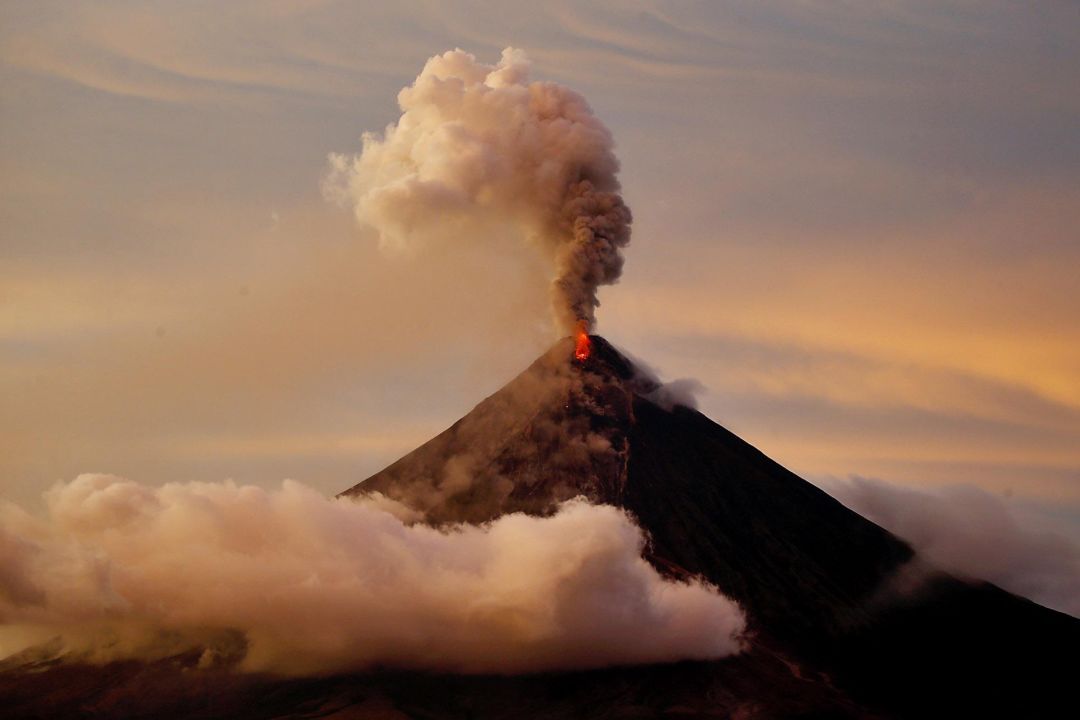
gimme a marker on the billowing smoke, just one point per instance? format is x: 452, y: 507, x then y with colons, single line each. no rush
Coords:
x: 971, y: 533
x: 679, y: 392
x: 293, y: 582
x: 480, y: 149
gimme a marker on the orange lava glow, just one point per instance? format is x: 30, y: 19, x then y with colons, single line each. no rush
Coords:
x: 582, y: 343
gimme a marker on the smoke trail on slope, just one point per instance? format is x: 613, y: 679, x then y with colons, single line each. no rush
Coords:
x: 293, y: 582
x: 479, y: 147
x: 971, y: 533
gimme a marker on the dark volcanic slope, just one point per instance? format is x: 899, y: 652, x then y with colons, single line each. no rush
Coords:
x: 818, y: 581
x: 712, y: 504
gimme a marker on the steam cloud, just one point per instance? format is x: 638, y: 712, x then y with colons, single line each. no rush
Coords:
x: 305, y: 584
x: 971, y: 533
x: 478, y: 147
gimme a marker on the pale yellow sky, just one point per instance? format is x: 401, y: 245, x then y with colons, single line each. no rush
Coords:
x: 855, y: 225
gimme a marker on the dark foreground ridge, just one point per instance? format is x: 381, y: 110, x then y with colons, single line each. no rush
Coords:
x: 844, y: 619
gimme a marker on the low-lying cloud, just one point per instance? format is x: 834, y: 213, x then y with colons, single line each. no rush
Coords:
x: 971, y: 533
x: 305, y: 584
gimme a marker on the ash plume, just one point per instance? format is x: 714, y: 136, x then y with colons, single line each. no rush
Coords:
x: 292, y: 582
x: 480, y: 150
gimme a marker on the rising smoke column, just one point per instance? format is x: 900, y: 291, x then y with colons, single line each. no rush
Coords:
x: 478, y: 145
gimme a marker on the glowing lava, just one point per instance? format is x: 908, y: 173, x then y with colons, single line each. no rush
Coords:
x: 582, y: 343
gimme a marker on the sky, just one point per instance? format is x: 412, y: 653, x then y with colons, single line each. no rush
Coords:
x: 855, y: 224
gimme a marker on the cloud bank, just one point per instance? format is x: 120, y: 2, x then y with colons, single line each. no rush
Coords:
x: 297, y: 583
x: 478, y: 150
x: 971, y: 533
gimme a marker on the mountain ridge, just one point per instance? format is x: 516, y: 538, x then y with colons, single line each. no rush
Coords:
x: 678, y: 472
x: 844, y: 621
x: 824, y: 588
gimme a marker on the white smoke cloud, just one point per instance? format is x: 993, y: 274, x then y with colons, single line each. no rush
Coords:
x: 312, y: 585
x: 679, y: 392
x: 479, y: 147
x: 971, y: 533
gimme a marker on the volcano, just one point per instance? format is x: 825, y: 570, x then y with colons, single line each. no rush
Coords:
x: 844, y: 619
x: 712, y: 505
x: 838, y: 598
